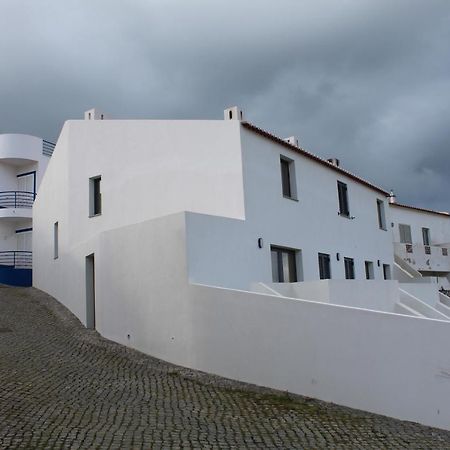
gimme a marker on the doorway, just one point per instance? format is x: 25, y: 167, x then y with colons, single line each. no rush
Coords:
x: 90, y: 291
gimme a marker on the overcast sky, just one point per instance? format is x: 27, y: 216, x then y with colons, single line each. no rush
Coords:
x: 366, y: 81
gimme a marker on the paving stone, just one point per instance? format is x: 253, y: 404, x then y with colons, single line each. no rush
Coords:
x: 65, y: 387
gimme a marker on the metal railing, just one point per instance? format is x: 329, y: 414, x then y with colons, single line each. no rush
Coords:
x: 16, y: 259
x: 47, y: 148
x: 16, y: 199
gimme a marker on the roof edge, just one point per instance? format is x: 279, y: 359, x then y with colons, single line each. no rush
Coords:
x: 311, y: 156
x: 416, y: 208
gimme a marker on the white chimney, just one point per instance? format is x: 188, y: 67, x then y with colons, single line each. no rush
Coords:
x: 291, y: 140
x: 94, y: 114
x: 233, y: 113
x: 334, y: 162
x: 392, y: 197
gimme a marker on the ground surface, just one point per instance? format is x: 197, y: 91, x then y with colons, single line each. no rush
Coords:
x: 62, y: 386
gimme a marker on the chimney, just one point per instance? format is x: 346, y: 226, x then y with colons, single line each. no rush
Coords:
x: 392, y: 197
x: 94, y: 114
x: 292, y: 140
x: 334, y: 162
x: 233, y: 113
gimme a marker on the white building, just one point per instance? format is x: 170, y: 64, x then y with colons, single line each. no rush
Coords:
x: 23, y: 160
x: 211, y: 244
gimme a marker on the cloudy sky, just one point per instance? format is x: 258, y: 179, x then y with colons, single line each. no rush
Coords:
x: 367, y: 81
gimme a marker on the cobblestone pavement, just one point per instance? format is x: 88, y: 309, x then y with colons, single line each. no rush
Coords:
x: 63, y: 387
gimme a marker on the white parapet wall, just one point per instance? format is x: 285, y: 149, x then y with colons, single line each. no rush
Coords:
x: 381, y: 362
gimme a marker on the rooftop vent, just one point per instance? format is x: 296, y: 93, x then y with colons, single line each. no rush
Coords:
x: 94, y: 114
x: 392, y: 197
x: 291, y: 140
x: 334, y: 162
x: 233, y: 113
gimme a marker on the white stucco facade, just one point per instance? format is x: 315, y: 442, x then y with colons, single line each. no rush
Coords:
x: 179, y: 223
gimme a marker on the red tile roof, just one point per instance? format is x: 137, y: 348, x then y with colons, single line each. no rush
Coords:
x: 309, y: 155
x: 430, y: 211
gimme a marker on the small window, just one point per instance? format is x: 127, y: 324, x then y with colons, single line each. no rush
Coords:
x: 405, y: 233
x: 95, y: 196
x: 426, y: 236
x: 284, y: 265
x: 386, y: 271
x: 381, y: 216
x: 324, y: 266
x: 349, y: 265
x: 288, y: 178
x: 369, y: 270
x: 343, y: 199
x: 55, y: 240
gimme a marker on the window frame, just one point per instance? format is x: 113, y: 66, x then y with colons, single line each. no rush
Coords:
x: 404, y: 226
x: 381, y: 215
x: 349, y: 268
x: 369, y: 270
x: 324, y: 260
x: 344, y: 206
x: 426, y: 236
x: 293, y: 264
x: 288, y: 178
x: 56, y: 240
x: 95, y: 196
x: 387, y: 271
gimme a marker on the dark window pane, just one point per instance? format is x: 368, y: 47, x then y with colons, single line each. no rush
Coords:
x: 97, y: 196
x: 284, y: 267
x: 324, y: 266
x: 349, y: 268
x: 343, y: 199
x: 285, y: 178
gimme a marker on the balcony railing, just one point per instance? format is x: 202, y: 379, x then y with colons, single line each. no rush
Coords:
x: 16, y: 259
x: 16, y: 199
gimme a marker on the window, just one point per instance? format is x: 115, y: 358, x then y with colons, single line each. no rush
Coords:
x: 381, y: 216
x: 426, y: 236
x: 284, y: 265
x: 95, y: 196
x: 405, y: 233
x: 288, y: 178
x: 55, y: 241
x: 343, y: 199
x: 386, y: 271
x: 324, y: 266
x: 369, y: 270
x: 349, y: 265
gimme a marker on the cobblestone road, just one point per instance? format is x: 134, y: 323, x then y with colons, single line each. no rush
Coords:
x: 62, y: 386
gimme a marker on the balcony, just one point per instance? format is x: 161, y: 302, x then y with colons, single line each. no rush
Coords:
x: 15, y: 268
x: 424, y: 258
x: 16, y: 204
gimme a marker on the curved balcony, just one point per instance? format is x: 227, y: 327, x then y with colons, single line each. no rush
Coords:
x: 16, y: 268
x: 22, y: 149
x: 16, y: 204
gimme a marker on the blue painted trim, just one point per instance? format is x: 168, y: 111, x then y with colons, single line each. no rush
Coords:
x: 24, y: 230
x: 16, y: 277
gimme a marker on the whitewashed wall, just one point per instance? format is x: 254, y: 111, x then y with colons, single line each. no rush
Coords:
x: 380, y: 362
x: 312, y: 223
x: 148, y: 169
x: 439, y: 225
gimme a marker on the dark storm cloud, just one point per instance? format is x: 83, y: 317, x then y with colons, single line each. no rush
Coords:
x: 365, y: 81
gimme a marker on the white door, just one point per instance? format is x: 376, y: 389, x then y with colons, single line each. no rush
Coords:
x: 26, y: 183
x: 24, y: 242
